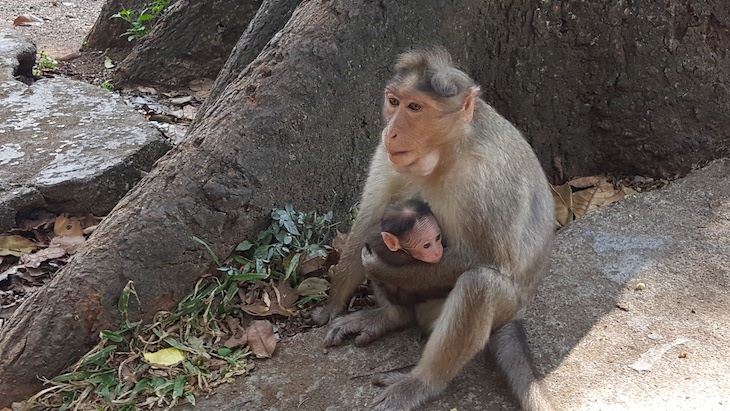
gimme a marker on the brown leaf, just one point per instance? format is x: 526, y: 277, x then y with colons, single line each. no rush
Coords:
x: 27, y: 20
x: 285, y: 295
x: 238, y: 334
x: 312, y: 286
x: 189, y: 112
x: 34, y: 260
x: 69, y: 244
x: 201, y: 87
x: 585, y: 182
x: 147, y: 90
x: 595, y: 197
x: 272, y: 301
x: 338, y: 243
x: 68, y: 227
x: 261, y: 338
x: 312, y: 265
x: 90, y: 220
x: 563, y: 197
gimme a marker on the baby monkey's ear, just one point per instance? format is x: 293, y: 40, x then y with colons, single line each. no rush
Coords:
x: 391, y: 241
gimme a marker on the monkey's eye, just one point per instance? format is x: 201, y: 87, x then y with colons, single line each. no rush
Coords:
x: 427, y: 245
x: 393, y: 101
x: 438, y: 238
x: 415, y: 106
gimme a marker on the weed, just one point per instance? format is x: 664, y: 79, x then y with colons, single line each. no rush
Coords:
x: 140, y: 22
x: 107, y: 85
x: 114, y: 376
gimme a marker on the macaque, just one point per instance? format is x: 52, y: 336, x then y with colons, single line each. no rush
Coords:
x: 410, y: 232
x: 442, y: 143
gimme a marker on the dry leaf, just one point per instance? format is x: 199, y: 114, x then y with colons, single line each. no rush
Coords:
x: 27, y: 20
x: 312, y: 286
x: 312, y: 265
x: 90, y: 230
x: 167, y: 357
x: 585, y: 182
x: 595, y: 197
x: 201, y: 87
x: 628, y: 191
x: 238, y: 334
x: 16, y: 245
x: 147, y: 90
x: 563, y: 197
x: 34, y: 260
x: 261, y: 338
x: 68, y: 227
x: 69, y: 244
x: 189, y: 112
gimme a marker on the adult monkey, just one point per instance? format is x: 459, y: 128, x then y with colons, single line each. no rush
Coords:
x: 444, y: 144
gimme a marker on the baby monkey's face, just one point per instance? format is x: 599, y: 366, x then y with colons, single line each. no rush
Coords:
x: 424, y: 241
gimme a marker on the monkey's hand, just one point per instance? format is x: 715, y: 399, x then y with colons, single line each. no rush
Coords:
x: 322, y: 315
x: 370, y: 261
x: 404, y: 392
x: 365, y: 326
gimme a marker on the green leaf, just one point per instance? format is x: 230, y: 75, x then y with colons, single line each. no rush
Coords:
x: 141, y: 385
x: 210, y: 251
x: 261, y: 252
x: 112, y: 336
x: 224, y: 352
x: 180, y: 382
x: 145, y: 17
x: 73, y: 376
x: 190, y: 397
x: 244, y: 246
x: 98, y: 356
x: 291, y: 227
x: 293, y: 264
x: 289, y: 208
x: 249, y: 277
x: 108, y: 62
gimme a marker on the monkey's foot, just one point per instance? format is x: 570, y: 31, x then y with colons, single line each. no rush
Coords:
x: 404, y: 392
x: 365, y: 326
x: 321, y: 315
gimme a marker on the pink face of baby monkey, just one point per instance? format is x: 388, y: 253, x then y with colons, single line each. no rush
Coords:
x: 423, y: 242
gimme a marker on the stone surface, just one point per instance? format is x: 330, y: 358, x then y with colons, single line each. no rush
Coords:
x: 79, y: 146
x: 602, y: 344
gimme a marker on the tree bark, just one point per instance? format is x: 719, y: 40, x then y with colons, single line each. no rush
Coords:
x: 191, y: 41
x: 636, y: 89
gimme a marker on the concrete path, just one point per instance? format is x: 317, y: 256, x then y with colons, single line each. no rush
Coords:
x: 602, y: 344
x: 65, y: 145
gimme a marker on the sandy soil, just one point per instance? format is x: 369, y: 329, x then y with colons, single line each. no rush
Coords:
x: 64, y: 25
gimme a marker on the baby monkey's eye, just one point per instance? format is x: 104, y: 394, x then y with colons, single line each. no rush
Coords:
x: 415, y: 107
x: 438, y: 237
x: 427, y: 245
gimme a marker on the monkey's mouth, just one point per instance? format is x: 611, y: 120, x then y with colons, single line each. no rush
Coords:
x: 397, y: 153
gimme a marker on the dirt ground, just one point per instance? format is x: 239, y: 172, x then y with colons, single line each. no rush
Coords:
x: 64, y: 25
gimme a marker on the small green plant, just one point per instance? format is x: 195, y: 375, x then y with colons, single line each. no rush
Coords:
x: 139, y: 22
x: 114, y: 377
x: 107, y: 85
x: 43, y: 62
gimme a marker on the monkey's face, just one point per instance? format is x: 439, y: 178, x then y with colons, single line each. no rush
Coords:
x: 423, y: 242
x: 414, y: 133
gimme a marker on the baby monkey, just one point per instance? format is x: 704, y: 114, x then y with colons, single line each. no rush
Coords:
x: 409, y: 232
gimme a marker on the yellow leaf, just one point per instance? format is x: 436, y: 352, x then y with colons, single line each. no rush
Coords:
x: 166, y: 357
x: 562, y: 195
x: 595, y: 197
x: 16, y: 245
x: 67, y: 227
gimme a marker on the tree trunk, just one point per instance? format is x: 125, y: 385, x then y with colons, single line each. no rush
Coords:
x: 631, y: 89
x: 191, y: 41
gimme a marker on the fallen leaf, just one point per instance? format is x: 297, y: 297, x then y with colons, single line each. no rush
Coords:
x: 69, y: 244
x: 261, y: 338
x: 67, y: 227
x: 595, y: 197
x: 27, y: 20
x: 179, y: 101
x: 108, y: 62
x: 563, y: 197
x: 284, y: 298
x: 89, y: 230
x: 147, y: 90
x: 189, y: 112
x: 167, y: 357
x: 70, y: 56
x: 34, y: 260
x: 589, y: 181
x: 312, y: 286
x: 628, y: 191
x: 238, y: 337
x: 311, y: 265
x: 16, y: 245
x: 201, y: 87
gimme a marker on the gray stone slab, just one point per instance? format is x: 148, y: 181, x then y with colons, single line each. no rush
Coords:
x: 602, y: 344
x: 80, y: 146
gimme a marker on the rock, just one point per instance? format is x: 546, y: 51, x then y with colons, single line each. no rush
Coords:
x: 77, y: 146
x: 676, y: 239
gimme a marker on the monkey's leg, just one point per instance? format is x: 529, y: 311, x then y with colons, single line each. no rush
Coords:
x: 480, y: 299
x: 367, y: 325
x: 510, y: 349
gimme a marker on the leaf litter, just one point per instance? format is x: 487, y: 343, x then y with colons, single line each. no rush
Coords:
x: 216, y: 330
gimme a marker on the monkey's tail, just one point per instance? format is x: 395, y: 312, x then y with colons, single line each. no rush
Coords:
x: 508, y: 344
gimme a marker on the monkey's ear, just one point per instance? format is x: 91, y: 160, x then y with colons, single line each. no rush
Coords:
x: 469, y: 102
x: 391, y: 241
